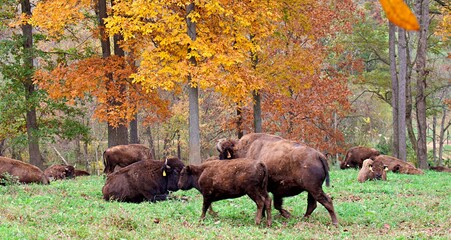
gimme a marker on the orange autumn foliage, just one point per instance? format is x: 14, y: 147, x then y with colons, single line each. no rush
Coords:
x: 90, y: 78
x: 400, y: 14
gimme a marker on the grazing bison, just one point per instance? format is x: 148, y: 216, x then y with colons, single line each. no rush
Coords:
x: 218, y: 180
x: 25, y: 172
x: 143, y: 181
x: 398, y: 166
x: 292, y: 168
x: 124, y: 155
x: 79, y: 173
x: 59, y: 172
x: 355, y: 156
x: 372, y: 170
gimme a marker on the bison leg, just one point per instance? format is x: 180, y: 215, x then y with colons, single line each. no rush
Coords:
x: 260, y: 202
x: 278, y: 201
x: 212, y: 212
x: 311, y: 205
x: 326, y: 201
x: 268, y: 211
x: 206, y: 205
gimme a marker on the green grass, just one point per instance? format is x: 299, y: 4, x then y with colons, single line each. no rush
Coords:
x: 403, y: 207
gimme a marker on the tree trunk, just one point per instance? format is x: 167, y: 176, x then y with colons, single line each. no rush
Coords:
x: 193, y: 91
x: 423, y: 10
x: 434, y: 139
x: 394, y: 84
x: 239, y: 121
x: 402, y: 78
x: 31, y: 118
x: 151, y: 145
x: 441, y: 138
x: 257, y: 112
x: 134, y: 130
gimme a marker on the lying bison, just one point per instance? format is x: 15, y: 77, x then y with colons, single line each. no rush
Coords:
x: 143, y: 181
x: 372, y: 170
x: 79, y: 173
x: 441, y: 169
x: 59, y: 172
x: 292, y: 168
x: 398, y: 166
x: 218, y: 180
x: 355, y: 156
x: 124, y: 155
x: 24, y: 172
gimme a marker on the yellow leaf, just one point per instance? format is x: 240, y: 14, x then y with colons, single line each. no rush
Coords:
x: 400, y: 14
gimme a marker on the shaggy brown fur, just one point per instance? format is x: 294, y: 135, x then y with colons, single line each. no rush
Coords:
x: 79, y: 173
x: 355, y: 156
x: 218, y: 180
x: 398, y: 166
x: 25, y: 172
x: 124, y: 155
x: 59, y: 172
x: 292, y: 167
x: 372, y: 170
x: 143, y: 181
x: 440, y: 169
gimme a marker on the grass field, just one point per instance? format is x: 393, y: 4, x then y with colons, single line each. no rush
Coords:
x: 403, y: 207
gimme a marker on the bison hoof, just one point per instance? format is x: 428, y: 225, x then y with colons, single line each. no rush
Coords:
x: 285, y: 213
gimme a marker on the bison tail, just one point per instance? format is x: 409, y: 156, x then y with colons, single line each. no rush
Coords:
x: 326, y: 168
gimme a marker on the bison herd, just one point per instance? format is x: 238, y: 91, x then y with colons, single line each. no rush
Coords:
x: 255, y: 165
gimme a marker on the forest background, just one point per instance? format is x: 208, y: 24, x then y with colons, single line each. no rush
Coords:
x: 79, y: 76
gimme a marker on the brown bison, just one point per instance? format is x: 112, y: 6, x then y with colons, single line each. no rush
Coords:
x: 441, y: 169
x: 59, y: 172
x: 24, y: 172
x: 398, y: 166
x: 143, y: 181
x: 218, y: 180
x: 79, y: 173
x: 372, y: 170
x: 124, y: 155
x: 292, y: 168
x: 355, y: 156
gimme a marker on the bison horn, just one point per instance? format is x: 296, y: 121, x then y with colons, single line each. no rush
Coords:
x: 371, y: 168
x: 219, y: 144
x: 166, y: 163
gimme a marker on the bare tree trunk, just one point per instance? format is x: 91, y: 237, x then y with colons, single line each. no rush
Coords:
x: 434, y: 139
x: 239, y: 121
x: 257, y: 112
x: 423, y: 10
x: 193, y: 92
x: 441, y: 140
x: 394, y: 84
x: 151, y: 144
x: 402, y: 78
x: 134, y: 130
x: 31, y: 117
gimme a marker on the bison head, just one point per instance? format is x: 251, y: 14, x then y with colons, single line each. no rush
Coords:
x: 372, y: 170
x: 171, y: 170
x: 226, y: 148
x: 186, y: 180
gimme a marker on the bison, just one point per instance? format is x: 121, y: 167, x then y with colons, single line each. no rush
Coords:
x: 292, y: 168
x: 143, y: 181
x: 218, y: 180
x: 79, y: 173
x: 59, y: 172
x: 372, y: 170
x: 441, y: 169
x: 25, y: 172
x: 124, y: 155
x: 398, y: 166
x: 355, y: 156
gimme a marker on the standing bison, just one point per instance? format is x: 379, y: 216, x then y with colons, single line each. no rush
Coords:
x: 292, y: 168
x: 25, y: 172
x: 124, y: 155
x: 397, y: 165
x: 355, y: 156
x: 59, y: 172
x: 372, y: 170
x: 218, y: 180
x: 143, y: 181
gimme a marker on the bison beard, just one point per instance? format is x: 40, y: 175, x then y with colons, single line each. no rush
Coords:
x: 143, y: 181
x: 218, y: 180
x: 292, y: 167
